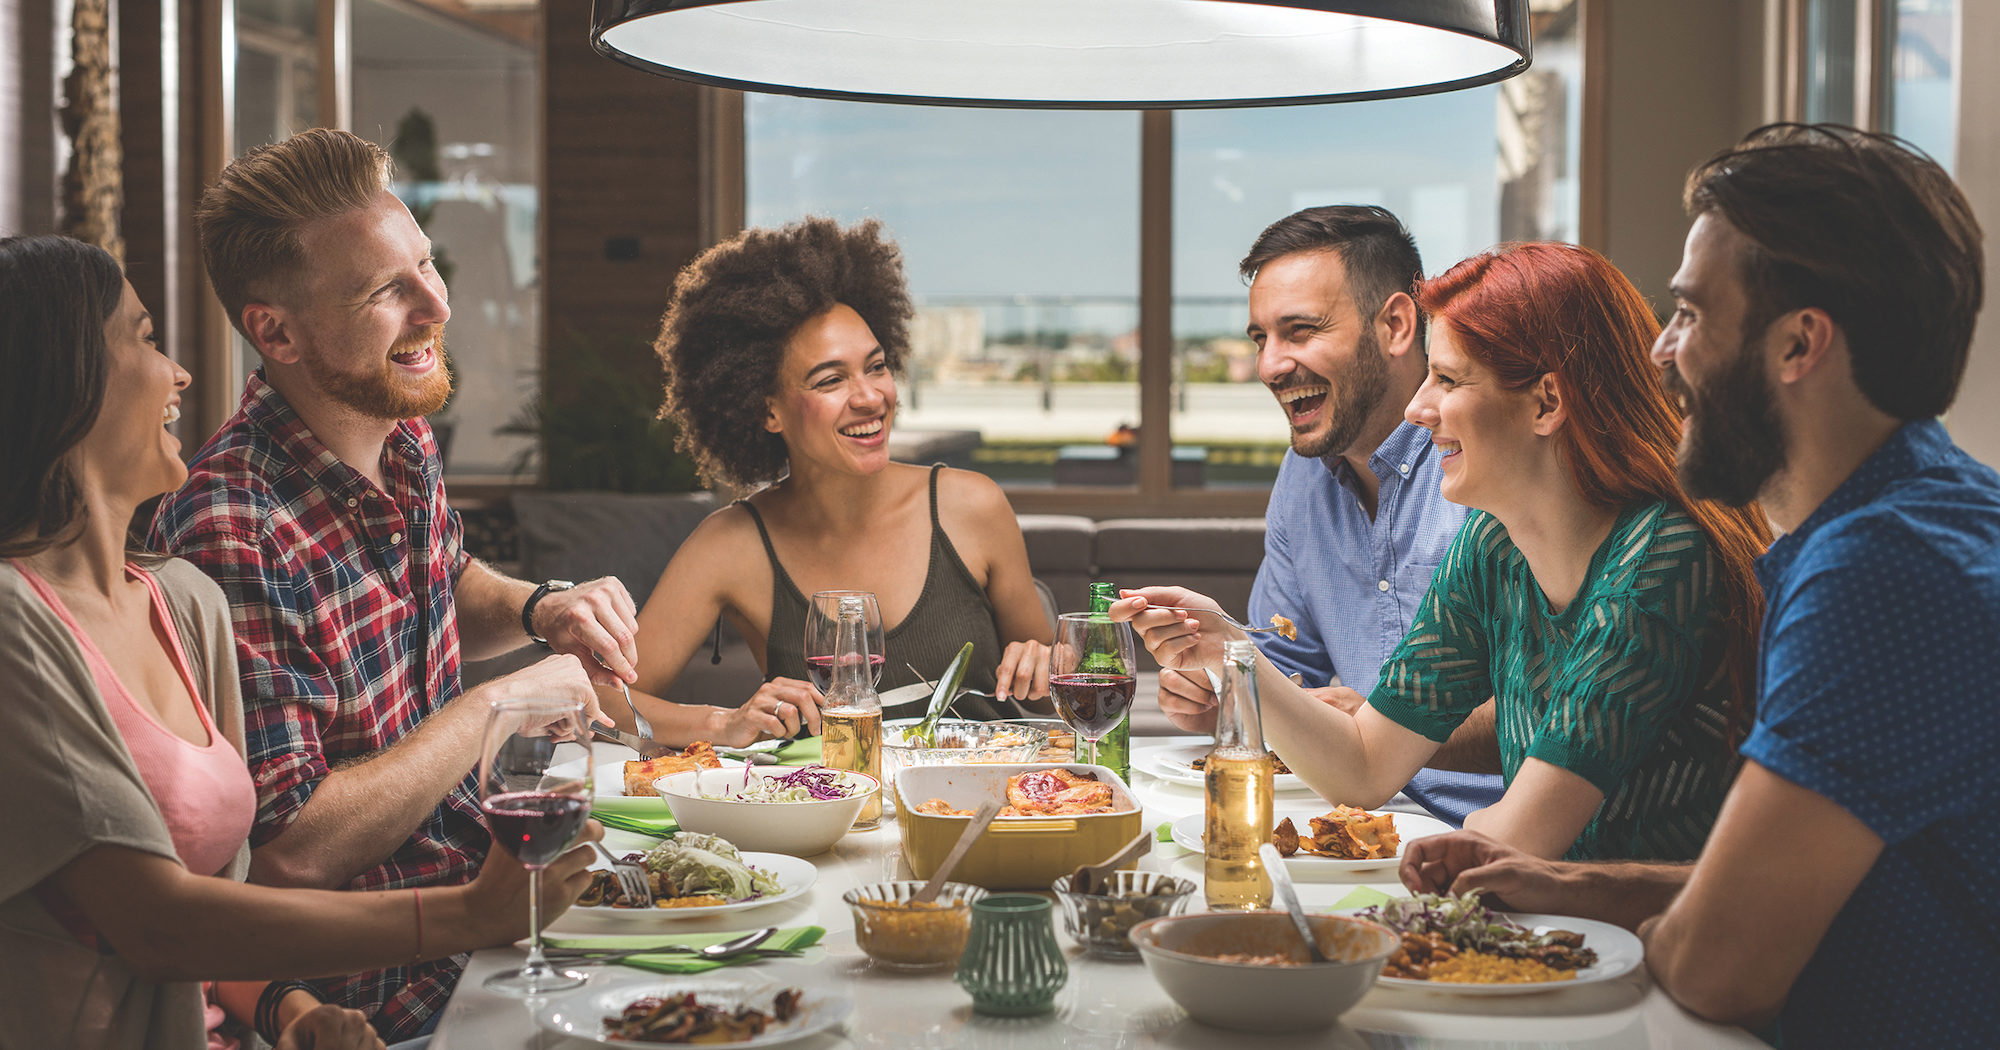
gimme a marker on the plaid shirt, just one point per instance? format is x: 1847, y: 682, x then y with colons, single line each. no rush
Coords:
x: 346, y: 637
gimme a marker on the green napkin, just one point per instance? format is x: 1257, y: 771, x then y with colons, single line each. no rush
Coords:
x: 793, y: 937
x: 802, y: 751
x: 658, y: 827
x: 1362, y: 897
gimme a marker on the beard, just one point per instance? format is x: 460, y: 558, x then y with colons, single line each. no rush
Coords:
x: 1354, y: 392
x: 385, y: 393
x: 1731, y: 441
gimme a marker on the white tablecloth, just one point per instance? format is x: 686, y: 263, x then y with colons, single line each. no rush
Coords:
x: 1105, y: 1005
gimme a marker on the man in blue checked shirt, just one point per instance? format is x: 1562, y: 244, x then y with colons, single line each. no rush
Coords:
x: 1355, y: 526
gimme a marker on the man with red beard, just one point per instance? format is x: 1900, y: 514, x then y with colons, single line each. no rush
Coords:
x: 320, y: 509
x: 1851, y: 886
x: 1356, y: 525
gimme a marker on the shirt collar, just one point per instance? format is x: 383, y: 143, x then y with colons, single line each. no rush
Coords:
x: 1912, y: 448
x: 267, y: 410
x: 1398, y: 456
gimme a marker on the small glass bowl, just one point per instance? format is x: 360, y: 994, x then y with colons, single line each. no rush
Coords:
x: 959, y: 741
x: 899, y: 936
x: 1102, y: 922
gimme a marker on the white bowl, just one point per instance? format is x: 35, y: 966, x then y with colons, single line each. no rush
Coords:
x: 1179, y: 951
x: 798, y: 828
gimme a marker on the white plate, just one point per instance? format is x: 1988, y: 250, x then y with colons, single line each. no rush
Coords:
x: 1173, y: 763
x: 1618, y: 953
x: 795, y: 877
x: 1187, y: 834
x: 609, y: 782
x: 580, y: 1014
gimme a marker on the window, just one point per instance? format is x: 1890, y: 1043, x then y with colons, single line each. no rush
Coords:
x: 1022, y: 240
x: 1922, y: 81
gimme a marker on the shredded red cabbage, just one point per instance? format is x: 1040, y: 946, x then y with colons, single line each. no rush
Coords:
x: 820, y: 782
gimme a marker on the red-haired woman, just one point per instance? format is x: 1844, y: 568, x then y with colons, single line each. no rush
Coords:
x: 1611, y: 618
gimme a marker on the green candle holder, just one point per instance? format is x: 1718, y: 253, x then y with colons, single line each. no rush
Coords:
x: 1012, y: 965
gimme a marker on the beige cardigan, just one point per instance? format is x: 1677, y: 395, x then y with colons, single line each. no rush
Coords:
x: 68, y: 784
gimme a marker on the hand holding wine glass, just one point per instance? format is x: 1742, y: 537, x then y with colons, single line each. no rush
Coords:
x: 1091, y: 674
x: 534, y: 809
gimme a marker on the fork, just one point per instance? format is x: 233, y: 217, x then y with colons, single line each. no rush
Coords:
x: 639, y: 722
x: 1223, y: 616
x: 631, y: 877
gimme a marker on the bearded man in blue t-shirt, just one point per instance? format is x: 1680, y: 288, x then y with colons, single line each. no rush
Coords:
x: 1851, y: 887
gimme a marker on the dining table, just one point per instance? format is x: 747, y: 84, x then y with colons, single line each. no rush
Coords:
x: 1106, y: 1004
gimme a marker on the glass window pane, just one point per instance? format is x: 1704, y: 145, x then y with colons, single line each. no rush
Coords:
x: 277, y: 87
x: 1923, y: 82
x: 1463, y: 170
x: 453, y: 99
x: 1019, y: 233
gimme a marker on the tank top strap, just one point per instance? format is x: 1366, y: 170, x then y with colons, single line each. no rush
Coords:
x: 782, y: 579
x: 937, y: 524
x: 784, y: 645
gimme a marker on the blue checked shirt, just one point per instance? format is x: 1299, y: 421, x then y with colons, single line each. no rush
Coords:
x: 1351, y: 582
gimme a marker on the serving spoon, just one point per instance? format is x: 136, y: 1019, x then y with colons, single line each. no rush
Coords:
x: 1096, y: 878
x: 1281, y: 881
x: 987, y: 811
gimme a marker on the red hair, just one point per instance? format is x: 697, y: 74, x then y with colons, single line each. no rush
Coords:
x: 1528, y: 310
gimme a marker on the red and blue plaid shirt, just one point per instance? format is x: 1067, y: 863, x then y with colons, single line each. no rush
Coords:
x: 346, y: 636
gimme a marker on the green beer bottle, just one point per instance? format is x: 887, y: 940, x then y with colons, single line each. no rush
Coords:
x: 1115, y: 749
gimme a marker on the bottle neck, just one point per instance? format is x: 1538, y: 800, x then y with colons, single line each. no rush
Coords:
x: 853, y: 684
x: 1239, y: 717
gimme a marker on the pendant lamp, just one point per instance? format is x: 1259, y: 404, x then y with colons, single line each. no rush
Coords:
x: 1073, y: 54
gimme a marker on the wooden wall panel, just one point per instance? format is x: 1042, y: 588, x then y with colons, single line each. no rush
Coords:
x: 621, y: 207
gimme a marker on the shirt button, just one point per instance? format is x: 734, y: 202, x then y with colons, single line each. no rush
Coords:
x: 1382, y: 585
x: 397, y: 537
x: 1405, y: 468
x: 352, y: 502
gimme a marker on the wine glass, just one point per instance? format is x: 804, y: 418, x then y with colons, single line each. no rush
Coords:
x: 822, y: 640
x: 1091, y: 673
x: 535, y: 802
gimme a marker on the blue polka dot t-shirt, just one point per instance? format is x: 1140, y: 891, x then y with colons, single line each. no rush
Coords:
x: 1880, y: 691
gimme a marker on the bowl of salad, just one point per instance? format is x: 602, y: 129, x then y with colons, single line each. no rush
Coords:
x: 799, y: 811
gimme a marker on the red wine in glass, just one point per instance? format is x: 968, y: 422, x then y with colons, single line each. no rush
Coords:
x: 820, y: 670
x: 535, y: 826
x: 1092, y: 703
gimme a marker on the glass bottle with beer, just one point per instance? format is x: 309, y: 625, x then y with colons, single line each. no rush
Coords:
x: 851, y: 719
x: 1239, y: 772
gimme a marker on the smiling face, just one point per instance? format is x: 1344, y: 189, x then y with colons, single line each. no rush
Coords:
x: 142, y: 395
x: 370, y: 331
x: 1316, y: 352
x: 1732, y: 441
x: 1487, y: 434
x: 836, y: 396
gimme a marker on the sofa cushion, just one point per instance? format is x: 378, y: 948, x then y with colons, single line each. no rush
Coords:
x: 584, y: 535
x: 1167, y: 544
x: 1059, y: 543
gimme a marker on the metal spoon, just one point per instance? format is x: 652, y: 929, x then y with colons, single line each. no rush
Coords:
x: 723, y: 950
x: 1281, y: 881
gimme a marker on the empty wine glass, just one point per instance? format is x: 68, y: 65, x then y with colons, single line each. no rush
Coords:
x: 822, y: 641
x: 534, y: 805
x: 1091, y: 673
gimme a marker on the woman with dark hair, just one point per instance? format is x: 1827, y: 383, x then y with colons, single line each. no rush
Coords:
x: 121, y: 724
x: 1611, y: 618
x: 781, y: 349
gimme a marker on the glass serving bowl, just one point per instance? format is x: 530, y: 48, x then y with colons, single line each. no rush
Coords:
x: 901, y: 936
x: 1102, y: 922
x: 959, y: 741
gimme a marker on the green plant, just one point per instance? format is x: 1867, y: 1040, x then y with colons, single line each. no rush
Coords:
x: 601, y: 430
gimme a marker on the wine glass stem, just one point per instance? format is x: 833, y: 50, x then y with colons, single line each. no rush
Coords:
x: 1093, y: 749
x: 536, y: 965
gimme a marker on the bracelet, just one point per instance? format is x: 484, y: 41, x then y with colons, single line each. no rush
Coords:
x: 417, y: 895
x: 528, y: 607
x: 266, y: 1021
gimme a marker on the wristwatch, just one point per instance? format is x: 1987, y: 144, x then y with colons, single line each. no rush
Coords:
x: 528, y: 610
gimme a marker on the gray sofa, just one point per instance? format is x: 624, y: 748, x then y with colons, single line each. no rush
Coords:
x: 580, y: 536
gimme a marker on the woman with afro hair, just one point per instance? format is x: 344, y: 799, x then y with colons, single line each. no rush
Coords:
x: 781, y: 349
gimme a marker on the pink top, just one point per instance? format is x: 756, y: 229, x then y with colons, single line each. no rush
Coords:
x: 203, y: 790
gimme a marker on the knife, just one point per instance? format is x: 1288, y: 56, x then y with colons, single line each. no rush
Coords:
x: 647, y: 748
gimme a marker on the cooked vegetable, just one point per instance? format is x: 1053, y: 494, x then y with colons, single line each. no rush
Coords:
x: 1469, y: 926
x: 697, y: 864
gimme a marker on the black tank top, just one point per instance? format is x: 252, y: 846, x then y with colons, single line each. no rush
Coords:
x: 952, y: 610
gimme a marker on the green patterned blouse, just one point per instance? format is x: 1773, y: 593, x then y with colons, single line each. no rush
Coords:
x: 1626, y: 687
